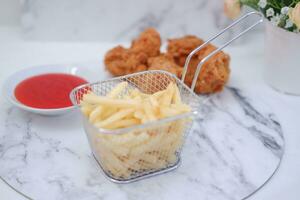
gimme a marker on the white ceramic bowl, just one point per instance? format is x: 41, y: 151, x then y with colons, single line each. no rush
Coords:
x: 13, y: 80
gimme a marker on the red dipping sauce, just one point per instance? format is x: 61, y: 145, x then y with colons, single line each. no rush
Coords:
x: 47, y: 91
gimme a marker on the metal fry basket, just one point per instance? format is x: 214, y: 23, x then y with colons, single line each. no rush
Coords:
x: 140, y: 151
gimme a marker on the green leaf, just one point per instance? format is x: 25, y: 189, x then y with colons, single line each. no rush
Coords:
x: 275, y: 3
x: 294, y: 3
x: 286, y: 2
x: 251, y: 3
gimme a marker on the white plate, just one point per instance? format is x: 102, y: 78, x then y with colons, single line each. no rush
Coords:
x: 90, y: 73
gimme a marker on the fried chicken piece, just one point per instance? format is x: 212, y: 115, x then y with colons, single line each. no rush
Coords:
x: 120, y: 61
x: 151, y: 82
x: 164, y: 62
x: 144, y: 54
x: 148, y: 42
x: 214, y: 73
x: 180, y: 48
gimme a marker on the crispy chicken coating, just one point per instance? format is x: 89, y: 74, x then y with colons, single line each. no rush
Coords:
x: 120, y: 61
x: 180, y: 48
x: 149, y: 82
x: 214, y: 73
x: 144, y: 54
x: 166, y: 63
x: 148, y: 42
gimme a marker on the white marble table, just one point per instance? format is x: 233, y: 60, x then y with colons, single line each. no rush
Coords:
x: 246, y: 72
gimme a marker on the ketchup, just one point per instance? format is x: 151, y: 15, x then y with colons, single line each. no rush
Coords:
x: 47, y: 91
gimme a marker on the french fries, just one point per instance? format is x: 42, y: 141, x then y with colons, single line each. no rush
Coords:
x: 141, y: 150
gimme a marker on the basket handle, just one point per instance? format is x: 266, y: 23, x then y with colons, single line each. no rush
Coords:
x: 188, y: 59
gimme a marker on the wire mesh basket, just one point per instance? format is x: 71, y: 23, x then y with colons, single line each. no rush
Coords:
x: 139, y: 151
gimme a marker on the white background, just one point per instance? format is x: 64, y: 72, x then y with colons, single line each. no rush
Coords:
x: 16, y: 54
x: 9, y: 12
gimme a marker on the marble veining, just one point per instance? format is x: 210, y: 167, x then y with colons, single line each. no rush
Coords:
x: 119, y: 20
x: 234, y: 147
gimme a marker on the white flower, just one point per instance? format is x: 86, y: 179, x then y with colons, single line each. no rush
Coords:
x: 288, y: 23
x: 281, y: 16
x: 262, y: 3
x: 270, y: 12
x: 285, y: 10
x: 275, y: 20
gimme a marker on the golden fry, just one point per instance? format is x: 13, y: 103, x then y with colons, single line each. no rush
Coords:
x: 138, y: 150
x: 117, y: 90
x: 115, y: 117
x: 176, y: 96
x: 96, y: 113
x: 106, y: 101
x: 149, y: 111
x: 124, y: 123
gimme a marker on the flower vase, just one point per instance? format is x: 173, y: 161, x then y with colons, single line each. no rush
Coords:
x: 282, y: 59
